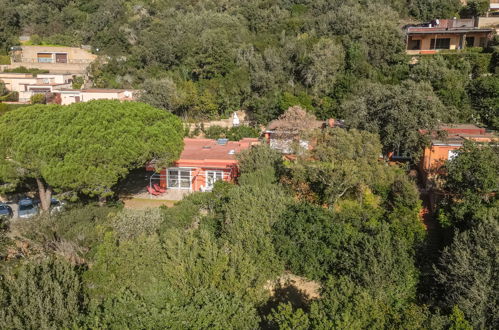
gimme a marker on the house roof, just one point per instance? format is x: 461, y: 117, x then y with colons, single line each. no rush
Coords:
x: 105, y: 90
x: 210, y: 150
x: 447, y: 26
x: 438, y: 30
x: 458, y: 133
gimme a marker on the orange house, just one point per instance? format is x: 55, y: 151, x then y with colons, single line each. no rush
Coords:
x: 442, y: 149
x: 201, y: 164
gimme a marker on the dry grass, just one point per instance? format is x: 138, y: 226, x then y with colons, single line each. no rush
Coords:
x: 143, y: 203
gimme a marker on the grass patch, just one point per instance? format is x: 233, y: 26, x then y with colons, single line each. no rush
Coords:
x: 23, y: 69
x: 4, y: 60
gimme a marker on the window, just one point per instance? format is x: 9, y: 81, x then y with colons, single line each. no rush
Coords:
x: 443, y: 43
x: 179, y: 179
x: 414, y: 44
x: 470, y: 41
x: 452, y: 154
x: 44, y: 57
x: 61, y: 58
x: 212, y: 177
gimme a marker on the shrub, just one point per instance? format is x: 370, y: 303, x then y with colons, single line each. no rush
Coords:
x: 38, y: 99
x: 4, y: 60
x: 10, y: 97
x: 43, y: 294
x: 233, y: 134
x: 23, y: 69
x: 215, y: 132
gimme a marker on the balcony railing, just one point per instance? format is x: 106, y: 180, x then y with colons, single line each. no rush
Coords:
x: 51, y: 61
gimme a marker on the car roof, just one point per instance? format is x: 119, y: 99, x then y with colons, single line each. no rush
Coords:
x: 26, y: 201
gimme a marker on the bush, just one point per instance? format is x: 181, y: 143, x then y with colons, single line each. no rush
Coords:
x: 215, y: 132
x: 11, y: 97
x: 44, y: 294
x: 77, y: 82
x: 23, y: 69
x: 4, y: 60
x: 38, y: 99
x: 233, y: 134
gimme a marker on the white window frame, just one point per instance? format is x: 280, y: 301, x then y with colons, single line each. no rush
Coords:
x: 214, y: 172
x: 179, y: 178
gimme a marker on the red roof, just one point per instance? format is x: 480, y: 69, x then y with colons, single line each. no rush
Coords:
x: 457, y: 133
x: 206, y: 150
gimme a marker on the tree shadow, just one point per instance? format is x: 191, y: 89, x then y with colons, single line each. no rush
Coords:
x: 284, y: 292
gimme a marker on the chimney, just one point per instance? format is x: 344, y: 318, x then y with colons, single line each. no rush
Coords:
x: 331, y: 122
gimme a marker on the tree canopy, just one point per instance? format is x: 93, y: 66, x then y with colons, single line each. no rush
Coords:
x: 86, y: 147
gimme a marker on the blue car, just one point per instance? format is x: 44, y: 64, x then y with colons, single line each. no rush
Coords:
x: 27, y: 208
x: 5, y: 211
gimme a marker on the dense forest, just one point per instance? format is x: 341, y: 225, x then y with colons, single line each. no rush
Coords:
x: 338, y: 218
x: 205, y: 59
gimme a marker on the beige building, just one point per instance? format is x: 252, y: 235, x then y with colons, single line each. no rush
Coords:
x: 55, y: 59
x: 452, y: 34
x: 27, y: 85
x: 69, y: 96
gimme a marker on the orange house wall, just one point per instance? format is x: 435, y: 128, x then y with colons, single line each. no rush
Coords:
x: 434, y: 157
x: 198, y: 171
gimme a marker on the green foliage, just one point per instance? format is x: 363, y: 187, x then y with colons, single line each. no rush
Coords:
x: 475, y: 8
x: 23, y: 69
x: 4, y: 60
x: 471, y: 183
x: 5, y: 107
x: 40, y: 295
x: 343, y: 162
x: 428, y: 10
x: 38, y: 99
x: 285, y: 318
x: 458, y: 322
x: 260, y: 165
x: 345, y: 305
x: 467, y: 272
x: 233, y: 134
x: 87, y: 147
x: 12, y: 97
x: 187, y: 268
x: 353, y: 224
x: 449, y: 80
x: 484, y: 93
x: 3, y: 89
x: 396, y: 113
x: 78, y: 82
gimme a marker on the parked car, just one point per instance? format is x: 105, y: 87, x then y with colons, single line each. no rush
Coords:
x: 27, y: 208
x: 56, y: 205
x: 5, y: 211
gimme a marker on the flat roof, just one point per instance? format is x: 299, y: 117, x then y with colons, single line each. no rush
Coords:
x: 439, y: 30
x: 43, y: 84
x: 105, y: 90
x: 208, y: 149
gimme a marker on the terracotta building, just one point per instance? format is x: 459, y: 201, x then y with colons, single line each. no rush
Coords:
x: 444, y: 148
x: 202, y: 163
x: 446, y: 34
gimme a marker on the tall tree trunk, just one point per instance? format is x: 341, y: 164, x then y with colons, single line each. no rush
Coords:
x: 45, y: 194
